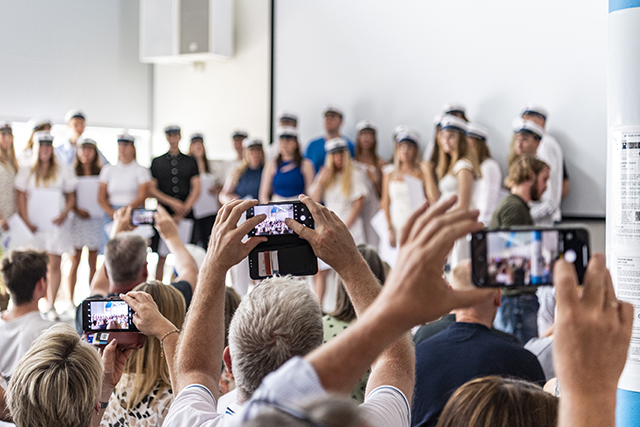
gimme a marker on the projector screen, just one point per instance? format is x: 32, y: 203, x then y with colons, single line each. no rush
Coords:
x: 399, y: 62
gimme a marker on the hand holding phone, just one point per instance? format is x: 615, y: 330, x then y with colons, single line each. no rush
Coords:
x: 107, y: 314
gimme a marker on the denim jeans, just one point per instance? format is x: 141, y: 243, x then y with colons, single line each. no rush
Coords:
x: 518, y: 315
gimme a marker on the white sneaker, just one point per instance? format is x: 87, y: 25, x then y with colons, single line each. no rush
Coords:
x: 52, y: 315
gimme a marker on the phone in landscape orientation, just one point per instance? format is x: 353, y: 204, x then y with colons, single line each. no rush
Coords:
x: 520, y: 257
x: 276, y: 213
x: 109, y: 314
x: 142, y: 217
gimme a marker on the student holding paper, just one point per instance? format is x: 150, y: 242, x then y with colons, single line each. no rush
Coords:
x: 87, y: 228
x: 8, y: 170
x: 45, y: 194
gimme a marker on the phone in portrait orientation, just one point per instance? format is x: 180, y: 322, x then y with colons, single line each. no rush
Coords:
x: 110, y: 314
x: 276, y: 213
x: 142, y: 217
x: 284, y: 252
x: 521, y: 257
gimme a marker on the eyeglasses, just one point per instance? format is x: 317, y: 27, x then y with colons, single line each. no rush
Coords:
x: 294, y: 413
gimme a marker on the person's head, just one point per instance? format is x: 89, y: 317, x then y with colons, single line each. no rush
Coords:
x: 76, y: 123
x: 407, y: 151
x: 279, y: 319
x: 57, y: 382
x: 24, y: 273
x: 527, y: 136
x: 535, y: 113
x: 344, y: 310
x: 7, y: 150
x: 36, y: 125
x: 500, y: 402
x: 87, y: 155
x: 527, y: 171
x: 485, y: 309
x: 46, y: 166
x: 147, y: 362
x: 289, y: 148
x: 477, y: 136
x: 287, y: 119
x: 333, y: 117
x: 196, y: 146
x: 125, y: 258
x: 455, y: 109
x: 451, y: 146
x: 366, y: 141
x: 173, y: 135
x: 253, y: 153
x: 126, y: 148
x: 238, y: 136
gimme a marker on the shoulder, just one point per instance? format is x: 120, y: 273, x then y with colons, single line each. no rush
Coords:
x: 490, y: 165
x: 194, y: 406
x: 462, y: 164
x: 387, y: 406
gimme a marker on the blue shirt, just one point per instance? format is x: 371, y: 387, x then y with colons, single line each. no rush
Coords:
x: 249, y: 183
x: 289, y: 183
x: 315, y: 151
x: 458, y: 354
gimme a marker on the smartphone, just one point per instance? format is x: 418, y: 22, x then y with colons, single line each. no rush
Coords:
x: 142, y: 216
x: 276, y: 213
x: 521, y: 257
x: 109, y: 314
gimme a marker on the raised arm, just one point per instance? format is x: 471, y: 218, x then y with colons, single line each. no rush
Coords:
x: 200, y: 349
x: 185, y: 264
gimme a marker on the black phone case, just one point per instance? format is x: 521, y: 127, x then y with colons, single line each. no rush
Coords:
x: 295, y: 258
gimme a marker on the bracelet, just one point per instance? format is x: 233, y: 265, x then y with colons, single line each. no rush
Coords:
x: 174, y: 331
x: 103, y: 405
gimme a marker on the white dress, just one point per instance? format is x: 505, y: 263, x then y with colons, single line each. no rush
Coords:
x: 342, y: 205
x: 52, y: 239
x: 486, y: 191
x: 400, y: 204
x: 371, y: 206
x: 86, y: 231
x: 546, y: 211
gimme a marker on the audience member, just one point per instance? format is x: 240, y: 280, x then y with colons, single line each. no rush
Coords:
x: 333, y: 119
x: 289, y: 174
x: 144, y: 394
x: 27, y: 156
x: 486, y: 193
x: 527, y: 181
x: 500, y: 402
x: 396, y: 198
x: 124, y: 184
x: 51, y: 234
x: 61, y: 381
x: 24, y: 273
x: 176, y: 186
x: 76, y: 125
x: 125, y: 264
x: 467, y: 349
x: 8, y: 171
x: 210, y: 175
x: 87, y: 230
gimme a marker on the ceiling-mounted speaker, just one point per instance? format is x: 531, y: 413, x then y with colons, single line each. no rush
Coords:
x: 185, y: 31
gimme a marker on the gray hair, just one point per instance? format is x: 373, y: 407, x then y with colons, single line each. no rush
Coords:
x: 124, y: 257
x: 279, y: 319
x: 57, y: 382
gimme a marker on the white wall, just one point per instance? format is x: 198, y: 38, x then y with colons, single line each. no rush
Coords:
x: 63, y: 54
x: 398, y: 62
x: 225, y: 95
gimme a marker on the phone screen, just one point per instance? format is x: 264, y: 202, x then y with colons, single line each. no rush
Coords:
x: 142, y: 216
x: 110, y: 314
x: 505, y: 258
x: 274, y: 224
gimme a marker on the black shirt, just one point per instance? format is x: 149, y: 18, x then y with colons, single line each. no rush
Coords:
x: 174, y: 174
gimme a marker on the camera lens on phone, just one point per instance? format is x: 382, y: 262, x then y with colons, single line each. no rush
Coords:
x: 570, y: 256
x: 303, y: 217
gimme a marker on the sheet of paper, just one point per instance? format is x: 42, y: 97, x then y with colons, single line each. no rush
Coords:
x: 207, y: 204
x: 18, y: 236
x: 185, y: 227
x: 87, y: 196
x: 416, y: 191
x: 43, y: 206
x: 385, y: 251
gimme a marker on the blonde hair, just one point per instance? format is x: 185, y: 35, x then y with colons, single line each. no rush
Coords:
x: 347, y: 173
x: 8, y: 157
x: 57, y: 382
x: 49, y: 175
x: 415, y: 162
x: 522, y: 169
x: 245, y: 163
x: 511, y: 156
x: 443, y: 163
x: 149, y: 367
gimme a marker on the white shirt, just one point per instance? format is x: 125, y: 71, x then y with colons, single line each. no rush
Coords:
x: 65, y: 180
x: 294, y: 383
x: 448, y: 184
x: 486, y: 192
x: 123, y: 181
x: 546, y: 211
x: 16, y: 337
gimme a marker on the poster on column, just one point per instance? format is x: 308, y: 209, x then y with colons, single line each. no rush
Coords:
x: 626, y: 190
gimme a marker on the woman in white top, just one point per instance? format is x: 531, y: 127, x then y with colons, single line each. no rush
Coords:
x: 8, y: 170
x: 486, y: 193
x: 87, y: 230
x: 45, y: 194
x: 344, y: 190
x: 397, y: 199
x: 124, y: 184
x: 26, y: 156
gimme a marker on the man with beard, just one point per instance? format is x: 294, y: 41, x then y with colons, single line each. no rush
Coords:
x: 527, y: 181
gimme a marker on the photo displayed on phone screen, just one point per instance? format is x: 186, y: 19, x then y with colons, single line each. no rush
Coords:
x: 274, y: 224
x: 521, y: 258
x: 109, y: 315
